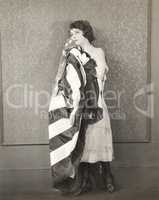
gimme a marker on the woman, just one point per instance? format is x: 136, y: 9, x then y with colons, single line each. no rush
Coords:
x: 85, y: 145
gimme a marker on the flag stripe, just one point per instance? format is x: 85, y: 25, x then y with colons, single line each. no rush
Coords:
x: 62, y: 138
x: 63, y: 151
x: 58, y: 127
x: 55, y: 115
x: 57, y: 102
x: 59, y: 113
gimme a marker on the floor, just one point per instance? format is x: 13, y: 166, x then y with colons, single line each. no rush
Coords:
x: 132, y: 183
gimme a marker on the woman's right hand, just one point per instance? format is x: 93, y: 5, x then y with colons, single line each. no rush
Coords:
x: 69, y: 44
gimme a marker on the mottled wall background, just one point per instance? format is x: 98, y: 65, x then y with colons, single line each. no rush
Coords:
x: 32, y: 36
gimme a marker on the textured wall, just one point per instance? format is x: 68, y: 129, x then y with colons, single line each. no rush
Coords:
x: 32, y: 35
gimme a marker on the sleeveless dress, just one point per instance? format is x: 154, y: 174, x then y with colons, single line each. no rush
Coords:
x: 98, y: 136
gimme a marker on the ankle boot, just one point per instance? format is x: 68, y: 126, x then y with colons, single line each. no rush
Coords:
x: 108, y: 177
x: 83, y: 171
x: 94, y: 175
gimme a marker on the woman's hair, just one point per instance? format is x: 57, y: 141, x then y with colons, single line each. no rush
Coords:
x: 85, y: 27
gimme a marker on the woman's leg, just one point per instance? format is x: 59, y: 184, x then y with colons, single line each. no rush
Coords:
x: 108, y: 176
x: 95, y: 175
x: 82, y: 181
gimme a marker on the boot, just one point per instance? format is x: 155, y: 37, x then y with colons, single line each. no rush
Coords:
x: 94, y: 176
x: 108, y: 177
x: 77, y: 181
x: 82, y: 182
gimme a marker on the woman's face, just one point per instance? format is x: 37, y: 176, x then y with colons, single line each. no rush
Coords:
x: 77, y: 36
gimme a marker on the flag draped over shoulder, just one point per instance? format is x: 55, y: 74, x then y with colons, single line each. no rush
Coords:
x: 63, y: 135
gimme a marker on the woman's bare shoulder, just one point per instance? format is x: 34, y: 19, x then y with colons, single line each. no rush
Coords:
x: 99, y: 51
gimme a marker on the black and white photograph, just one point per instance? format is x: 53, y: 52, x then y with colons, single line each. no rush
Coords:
x: 79, y: 99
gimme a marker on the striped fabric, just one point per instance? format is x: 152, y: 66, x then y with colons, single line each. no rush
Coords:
x: 62, y: 135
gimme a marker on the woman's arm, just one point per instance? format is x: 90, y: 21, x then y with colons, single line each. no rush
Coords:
x: 102, y: 66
